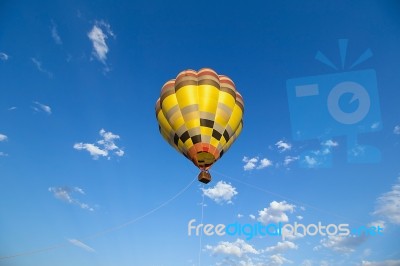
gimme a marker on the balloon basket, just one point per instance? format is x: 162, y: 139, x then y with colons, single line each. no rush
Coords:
x: 204, y: 177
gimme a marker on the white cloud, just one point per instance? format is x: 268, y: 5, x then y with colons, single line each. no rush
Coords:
x: 396, y: 130
x: 289, y: 159
x: 94, y: 151
x: 54, y: 34
x: 3, y: 137
x: 283, y: 146
x: 62, y: 193
x: 275, y: 212
x: 342, y: 244
x: 237, y: 248
x: 357, y: 150
x: 311, y: 162
x: 381, y: 263
x: 388, y: 204
x: 39, y: 67
x: 306, y: 263
x: 367, y: 252
x: 253, y: 217
x: 12, y: 108
x: 255, y: 163
x: 239, y: 215
x: 299, y: 217
x: 107, y: 27
x: 120, y: 153
x: 42, y: 107
x: 221, y: 193
x: 282, y: 246
x: 324, y: 263
x: 98, y: 35
x: 108, y: 142
x: 375, y: 125
x: 245, y: 262
x: 98, y: 39
x: 3, y: 56
x: 79, y: 190
x: 277, y: 260
x: 81, y: 245
x: 330, y: 143
x: 250, y: 163
x: 66, y: 194
x: 327, y: 147
x: 290, y: 236
x: 318, y: 158
x: 102, y: 147
x: 264, y: 163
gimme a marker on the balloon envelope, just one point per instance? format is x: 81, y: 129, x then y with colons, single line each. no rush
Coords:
x: 200, y: 115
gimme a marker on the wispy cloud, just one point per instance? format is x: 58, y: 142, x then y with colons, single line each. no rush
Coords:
x: 290, y: 159
x: 12, y: 108
x: 102, y: 147
x: 310, y: 161
x: 283, y: 146
x: 342, y: 244
x: 221, y: 193
x: 3, y: 137
x: 255, y: 163
x: 54, y: 33
x: 282, y: 246
x: 278, y: 260
x: 326, y: 147
x: 396, y: 130
x: 289, y: 236
x: 358, y: 150
x: 381, y: 263
x: 387, y: 205
x: 318, y: 158
x: 41, y: 107
x: 66, y: 194
x: 375, y: 125
x: 81, y: 245
x: 3, y: 56
x: 276, y: 212
x: 330, y: 143
x: 306, y: 263
x: 39, y: 67
x: 237, y: 248
x: 98, y: 36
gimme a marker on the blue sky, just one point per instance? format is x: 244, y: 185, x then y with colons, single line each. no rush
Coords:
x: 86, y: 178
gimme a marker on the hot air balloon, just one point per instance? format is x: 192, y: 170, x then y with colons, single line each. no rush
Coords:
x: 200, y: 114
